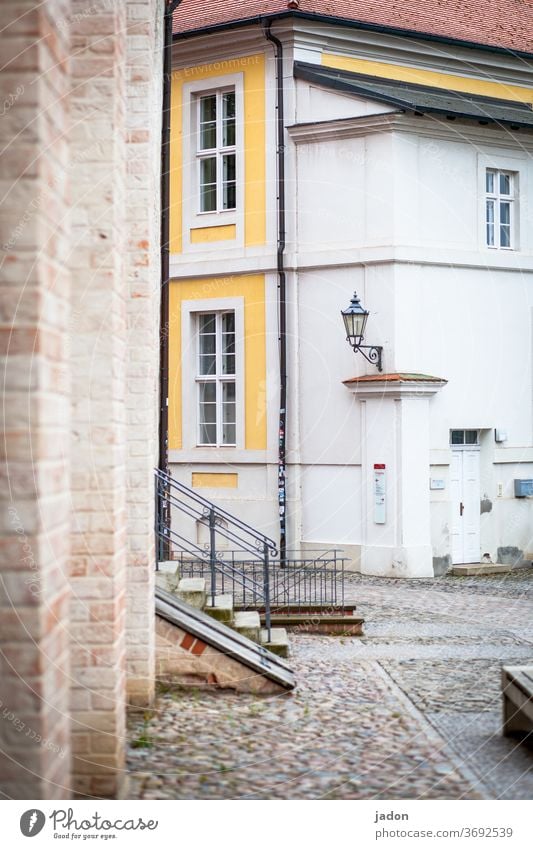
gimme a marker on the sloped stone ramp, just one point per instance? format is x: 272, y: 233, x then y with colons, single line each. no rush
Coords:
x: 193, y: 647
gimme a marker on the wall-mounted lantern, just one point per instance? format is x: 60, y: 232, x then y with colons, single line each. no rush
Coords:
x: 355, y: 318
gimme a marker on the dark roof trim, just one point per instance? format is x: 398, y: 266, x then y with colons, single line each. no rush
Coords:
x: 508, y: 112
x: 344, y: 22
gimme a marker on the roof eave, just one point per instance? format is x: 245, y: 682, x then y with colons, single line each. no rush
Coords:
x: 363, y: 25
x: 311, y: 75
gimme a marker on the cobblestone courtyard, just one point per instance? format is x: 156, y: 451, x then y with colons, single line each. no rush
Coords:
x: 409, y: 711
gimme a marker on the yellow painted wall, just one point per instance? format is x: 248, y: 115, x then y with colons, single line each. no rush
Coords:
x: 215, y: 480
x: 213, y: 234
x: 253, y: 70
x: 251, y: 287
x: 487, y: 88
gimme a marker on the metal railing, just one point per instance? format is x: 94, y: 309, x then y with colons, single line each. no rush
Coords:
x: 303, y: 582
x: 222, y: 528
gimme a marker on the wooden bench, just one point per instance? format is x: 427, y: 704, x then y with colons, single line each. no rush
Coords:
x: 517, y: 685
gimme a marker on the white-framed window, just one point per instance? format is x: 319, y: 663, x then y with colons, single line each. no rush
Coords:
x: 216, y: 374
x: 464, y: 437
x: 500, y: 208
x: 216, y: 150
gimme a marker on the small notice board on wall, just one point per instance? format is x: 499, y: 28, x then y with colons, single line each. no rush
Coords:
x: 380, y: 505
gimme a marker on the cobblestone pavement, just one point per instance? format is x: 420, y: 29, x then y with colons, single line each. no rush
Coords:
x: 409, y: 711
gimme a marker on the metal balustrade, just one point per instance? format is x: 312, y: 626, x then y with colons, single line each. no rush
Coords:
x: 240, y: 560
x: 223, y: 528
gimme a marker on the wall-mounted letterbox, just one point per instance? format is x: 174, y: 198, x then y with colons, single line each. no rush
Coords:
x: 523, y: 488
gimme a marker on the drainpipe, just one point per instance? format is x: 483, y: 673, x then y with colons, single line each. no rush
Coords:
x: 163, y: 519
x: 282, y: 304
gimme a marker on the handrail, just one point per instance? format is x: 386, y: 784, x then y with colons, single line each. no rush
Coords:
x: 172, y: 493
x: 175, y: 484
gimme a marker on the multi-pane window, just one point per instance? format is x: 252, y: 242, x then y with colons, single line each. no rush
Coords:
x: 464, y: 437
x: 499, y: 208
x: 216, y: 151
x: 216, y: 375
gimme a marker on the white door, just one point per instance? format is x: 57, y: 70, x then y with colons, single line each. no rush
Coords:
x: 464, y: 489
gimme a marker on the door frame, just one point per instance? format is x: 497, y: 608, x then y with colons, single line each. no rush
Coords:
x: 461, y: 448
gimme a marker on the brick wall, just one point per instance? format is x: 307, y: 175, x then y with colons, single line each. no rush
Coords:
x: 34, y: 244
x: 98, y: 355
x: 144, y: 80
x: 79, y: 312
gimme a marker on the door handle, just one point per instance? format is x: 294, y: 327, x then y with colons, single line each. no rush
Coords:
x: 461, y: 508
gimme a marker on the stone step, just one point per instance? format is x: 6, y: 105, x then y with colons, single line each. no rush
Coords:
x: 481, y: 569
x: 248, y: 623
x: 345, y: 625
x: 193, y: 592
x: 168, y: 566
x: 278, y: 643
x: 222, y: 610
x: 167, y: 578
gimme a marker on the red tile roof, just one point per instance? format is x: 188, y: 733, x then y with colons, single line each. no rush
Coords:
x: 498, y: 23
x: 395, y: 377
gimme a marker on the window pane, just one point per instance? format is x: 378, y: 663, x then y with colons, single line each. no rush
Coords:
x: 208, y: 136
x: 207, y: 322
x: 505, y: 213
x: 228, y: 322
x: 230, y: 196
x: 228, y: 413
x: 208, y: 184
x: 490, y: 222
x: 228, y: 119
x: 505, y: 236
x: 207, y: 343
x: 490, y: 182
x: 208, y: 434
x: 505, y: 184
x: 208, y: 198
x: 228, y: 181
x: 208, y: 171
x: 228, y: 434
x: 458, y: 437
x: 228, y: 168
x: 228, y: 343
x: 207, y: 364
x: 208, y: 126
x: 228, y: 393
x: 208, y: 395
x: 208, y: 413
x: 505, y: 224
x: 208, y: 108
x: 228, y: 364
x: 471, y: 437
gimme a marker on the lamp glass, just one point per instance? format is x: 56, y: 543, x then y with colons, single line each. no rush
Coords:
x: 355, y: 318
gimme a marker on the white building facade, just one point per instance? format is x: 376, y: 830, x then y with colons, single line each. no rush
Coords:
x: 408, y: 179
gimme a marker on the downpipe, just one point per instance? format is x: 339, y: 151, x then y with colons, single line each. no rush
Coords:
x: 162, y: 508
x: 282, y: 301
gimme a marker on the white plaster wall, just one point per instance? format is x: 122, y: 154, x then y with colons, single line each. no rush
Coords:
x: 331, y: 504
x: 314, y: 103
x: 330, y: 194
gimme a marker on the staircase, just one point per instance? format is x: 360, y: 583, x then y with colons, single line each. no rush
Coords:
x: 222, y: 529
x: 232, y: 575
x: 247, y: 623
x: 194, y: 648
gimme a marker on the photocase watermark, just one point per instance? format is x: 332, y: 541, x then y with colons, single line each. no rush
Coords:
x: 35, y: 205
x: 224, y: 65
x: 19, y: 724
x: 32, y: 822
x: 27, y: 558
x: 65, y: 824
x: 101, y: 8
x: 11, y: 99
